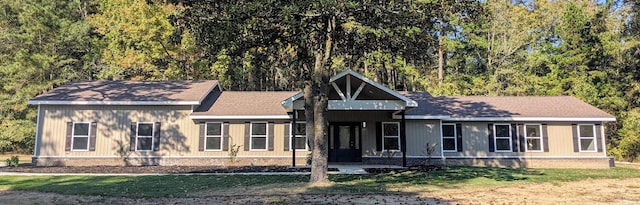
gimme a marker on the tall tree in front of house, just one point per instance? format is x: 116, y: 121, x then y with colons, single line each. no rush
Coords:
x: 317, y: 33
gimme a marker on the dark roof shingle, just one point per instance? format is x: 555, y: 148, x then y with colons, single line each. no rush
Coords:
x: 503, y: 106
x: 245, y: 103
x: 129, y: 91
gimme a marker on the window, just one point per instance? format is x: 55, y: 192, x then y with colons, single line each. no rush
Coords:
x: 213, y: 137
x: 449, y: 134
x: 80, y: 136
x: 503, y: 137
x: 587, y: 136
x: 391, y: 136
x: 144, y: 136
x: 300, y: 131
x: 258, y: 136
x: 533, y: 137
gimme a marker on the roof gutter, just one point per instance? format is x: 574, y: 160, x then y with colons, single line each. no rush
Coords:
x: 240, y: 117
x: 59, y: 102
x: 547, y: 119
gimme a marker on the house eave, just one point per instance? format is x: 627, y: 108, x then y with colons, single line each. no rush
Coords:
x: 240, y: 117
x: 509, y: 119
x: 57, y: 102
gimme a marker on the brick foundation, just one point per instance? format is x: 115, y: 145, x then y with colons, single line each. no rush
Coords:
x: 588, y: 163
x: 182, y: 161
x: 245, y: 161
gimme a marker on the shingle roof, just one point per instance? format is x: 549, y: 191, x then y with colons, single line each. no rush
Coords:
x: 503, y: 106
x: 256, y: 103
x: 247, y: 103
x: 123, y: 92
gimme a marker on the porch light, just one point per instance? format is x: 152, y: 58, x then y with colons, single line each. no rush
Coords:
x: 364, y: 124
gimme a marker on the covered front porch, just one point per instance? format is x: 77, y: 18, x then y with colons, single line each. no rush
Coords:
x: 366, y: 120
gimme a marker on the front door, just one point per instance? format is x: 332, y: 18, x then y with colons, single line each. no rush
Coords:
x: 344, y: 142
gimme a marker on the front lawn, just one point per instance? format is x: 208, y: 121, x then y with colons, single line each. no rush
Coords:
x: 211, y: 185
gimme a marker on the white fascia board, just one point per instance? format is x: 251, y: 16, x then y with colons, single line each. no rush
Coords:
x: 525, y: 157
x: 240, y: 117
x: 365, y: 105
x: 288, y: 103
x: 165, y: 157
x: 496, y: 157
x: 59, y: 102
x: 396, y: 116
x: 545, y: 119
x: 548, y: 119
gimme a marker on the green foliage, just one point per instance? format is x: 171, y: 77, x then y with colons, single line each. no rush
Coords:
x: 17, y: 136
x: 13, y: 161
x: 140, y: 41
x: 44, y: 44
x: 233, y: 152
x: 628, y: 148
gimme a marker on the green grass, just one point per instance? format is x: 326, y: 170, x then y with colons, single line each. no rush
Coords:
x: 181, y: 186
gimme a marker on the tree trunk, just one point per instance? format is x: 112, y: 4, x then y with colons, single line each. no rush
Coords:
x: 320, y: 152
x: 440, y: 63
x: 441, y: 46
x: 309, y: 106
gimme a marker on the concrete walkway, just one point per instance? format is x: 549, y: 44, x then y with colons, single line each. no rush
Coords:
x: 358, y: 169
x: 342, y: 169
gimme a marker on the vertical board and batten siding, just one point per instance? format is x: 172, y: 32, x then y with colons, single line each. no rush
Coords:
x: 421, y: 132
x: 237, y: 133
x: 474, y: 140
x: 113, y: 129
x: 560, y: 136
x: 179, y: 135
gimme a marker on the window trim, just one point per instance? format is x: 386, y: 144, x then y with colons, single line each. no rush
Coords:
x: 306, y: 142
x: 455, y: 137
x: 153, y: 128
x: 495, y: 138
x: 206, y: 127
x: 541, y: 137
x: 266, y: 136
x: 73, y: 136
x: 397, y: 136
x: 595, y: 142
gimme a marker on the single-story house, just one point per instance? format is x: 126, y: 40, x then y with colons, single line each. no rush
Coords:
x: 196, y: 123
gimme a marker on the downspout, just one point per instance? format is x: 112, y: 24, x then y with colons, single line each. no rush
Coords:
x: 604, y: 144
x: 36, y: 151
x: 293, y: 137
x: 403, y: 137
x: 441, y: 141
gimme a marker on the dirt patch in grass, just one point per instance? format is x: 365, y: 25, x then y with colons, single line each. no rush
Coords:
x: 26, y: 168
x: 591, y: 191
